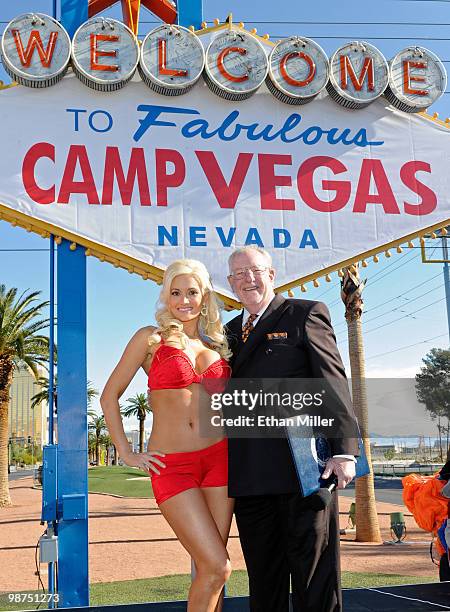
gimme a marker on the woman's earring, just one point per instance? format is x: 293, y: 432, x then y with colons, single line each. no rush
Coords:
x: 204, y: 311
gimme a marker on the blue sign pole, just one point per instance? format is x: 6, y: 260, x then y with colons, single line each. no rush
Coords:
x: 72, y: 477
x: 190, y: 12
x: 73, y: 14
x: 72, y: 485
x: 51, y: 365
x: 51, y: 411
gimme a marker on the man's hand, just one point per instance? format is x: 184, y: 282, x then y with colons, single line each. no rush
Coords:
x: 343, y: 468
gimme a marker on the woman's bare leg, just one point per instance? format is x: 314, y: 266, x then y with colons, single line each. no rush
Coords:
x: 221, y: 507
x: 190, y: 517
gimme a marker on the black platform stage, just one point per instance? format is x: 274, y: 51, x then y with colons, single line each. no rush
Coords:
x: 405, y: 598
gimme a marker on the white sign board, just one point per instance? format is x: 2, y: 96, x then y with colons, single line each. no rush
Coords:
x: 157, y: 178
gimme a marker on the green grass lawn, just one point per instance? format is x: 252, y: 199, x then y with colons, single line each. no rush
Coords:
x: 117, y: 480
x: 169, y: 588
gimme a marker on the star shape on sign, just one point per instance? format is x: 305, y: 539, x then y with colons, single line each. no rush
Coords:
x: 164, y: 9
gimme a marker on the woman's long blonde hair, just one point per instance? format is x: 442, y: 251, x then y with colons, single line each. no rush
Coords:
x: 210, y: 325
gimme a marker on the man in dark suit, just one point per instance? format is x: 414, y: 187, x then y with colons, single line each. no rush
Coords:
x: 283, y: 540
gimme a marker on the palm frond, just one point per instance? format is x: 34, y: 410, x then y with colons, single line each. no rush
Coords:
x: 21, y: 321
x: 137, y: 407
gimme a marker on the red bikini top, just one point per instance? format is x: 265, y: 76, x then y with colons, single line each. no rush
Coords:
x: 172, y: 369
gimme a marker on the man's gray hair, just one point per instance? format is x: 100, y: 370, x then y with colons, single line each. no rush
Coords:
x: 248, y: 249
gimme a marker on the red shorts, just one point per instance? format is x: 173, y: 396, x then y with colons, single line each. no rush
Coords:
x: 207, y: 467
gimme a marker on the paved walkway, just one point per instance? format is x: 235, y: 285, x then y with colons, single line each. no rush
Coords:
x: 130, y: 539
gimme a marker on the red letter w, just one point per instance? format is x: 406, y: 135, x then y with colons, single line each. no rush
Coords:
x: 35, y: 42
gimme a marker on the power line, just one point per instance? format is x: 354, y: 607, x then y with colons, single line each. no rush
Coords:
x: 404, y: 293
x: 358, y: 23
x: 433, y: 251
x: 396, y: 298
x: 404, y: 316
x: 338, y: 301
x: 401, y: 305
x: 383, y: 274
x: 402, y: 348
x: 393, y: 263
x: 325, y: 292
x: 301, y: 23
x: 319, y: 23
x: 329, y: 23
x: 346, y: 37
x: 427, y: 1
x: 375, y: 276
x: 333, y: 286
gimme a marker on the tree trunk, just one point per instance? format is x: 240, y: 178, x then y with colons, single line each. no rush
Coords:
x: 5, y: 499
x: 141, y: 434
x: 367, y: 526
x: 6, y: 376
x: 448, y: 435
x: 114, y: 461
x: 97, y: 453
x: 440, y: 438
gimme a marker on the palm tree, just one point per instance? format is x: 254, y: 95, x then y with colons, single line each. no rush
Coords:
x: 138, y: 407
x: 367, y: 527
x: 107, y: 442
x: 92, y: 444
x: 42, y: 395
x: 98, y: 427
x: 21, y: 346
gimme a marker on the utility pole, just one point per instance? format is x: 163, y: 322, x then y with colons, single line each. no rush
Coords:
x: 443, y: 236
x: 446, y: 279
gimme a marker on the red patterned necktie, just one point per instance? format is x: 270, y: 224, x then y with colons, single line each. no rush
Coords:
x: 248, y: 327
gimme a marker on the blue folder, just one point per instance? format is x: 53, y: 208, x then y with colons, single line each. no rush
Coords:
x: 311, y: 453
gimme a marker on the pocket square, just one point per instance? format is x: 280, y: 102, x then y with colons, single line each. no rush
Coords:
x: 276, y: 335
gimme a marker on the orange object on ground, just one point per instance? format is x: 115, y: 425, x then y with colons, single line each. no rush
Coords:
x: 422, y: 497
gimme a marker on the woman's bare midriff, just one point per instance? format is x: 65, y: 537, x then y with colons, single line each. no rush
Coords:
x: 182, y: 420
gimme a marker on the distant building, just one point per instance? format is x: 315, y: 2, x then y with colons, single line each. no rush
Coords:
x: 133, y: 439
x: 413, y: 450
x: 147, y: 438
x: 24, y: 423
x: 379, y: 450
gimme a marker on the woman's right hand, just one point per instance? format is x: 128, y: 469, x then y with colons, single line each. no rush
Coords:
x: 145, y: 461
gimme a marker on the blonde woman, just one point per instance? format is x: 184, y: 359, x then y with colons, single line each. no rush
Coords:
x: 183, y: 357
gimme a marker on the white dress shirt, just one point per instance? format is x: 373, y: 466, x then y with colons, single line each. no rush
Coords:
x: 258, y: 316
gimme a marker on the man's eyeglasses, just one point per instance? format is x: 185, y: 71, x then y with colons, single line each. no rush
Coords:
x: 241, y: 273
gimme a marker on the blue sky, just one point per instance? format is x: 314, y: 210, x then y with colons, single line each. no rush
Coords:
x: 404, y: 299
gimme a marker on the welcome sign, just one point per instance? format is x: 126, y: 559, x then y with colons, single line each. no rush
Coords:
x: 104, y: 54
x: 140, y: 178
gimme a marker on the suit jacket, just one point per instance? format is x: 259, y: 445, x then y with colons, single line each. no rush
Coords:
x: 260, y: 466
